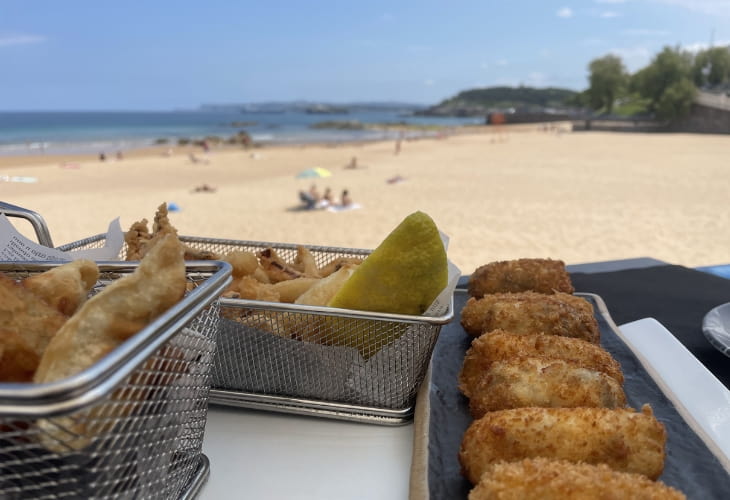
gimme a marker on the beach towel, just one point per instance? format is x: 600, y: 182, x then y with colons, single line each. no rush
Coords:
x: 340, y: 208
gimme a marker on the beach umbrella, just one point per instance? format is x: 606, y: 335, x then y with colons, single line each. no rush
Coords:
x: 314, y: 172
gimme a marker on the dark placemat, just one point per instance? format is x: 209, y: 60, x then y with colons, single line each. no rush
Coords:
x: 675, y: 296
x: 689, y: 465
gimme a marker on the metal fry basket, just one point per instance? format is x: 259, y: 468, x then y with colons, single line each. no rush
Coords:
x: 143, y: 407
x: 334, y: 363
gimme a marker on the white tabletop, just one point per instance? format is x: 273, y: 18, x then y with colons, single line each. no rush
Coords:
x: 262, y: 455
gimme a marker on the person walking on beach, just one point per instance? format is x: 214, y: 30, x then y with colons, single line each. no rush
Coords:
x: 398, y: 142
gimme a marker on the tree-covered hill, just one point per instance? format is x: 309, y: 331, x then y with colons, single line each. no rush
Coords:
x: 480, y: 101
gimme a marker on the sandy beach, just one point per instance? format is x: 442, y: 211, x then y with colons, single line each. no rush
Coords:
x: 580, y: 197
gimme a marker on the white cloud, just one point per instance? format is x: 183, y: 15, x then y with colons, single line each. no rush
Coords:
x: 502, y: 62
x: 697, y: 46
x: 429, y: 83
x: 8, y: 40
x: 564, y: 12
x: 608, y: 14
x: 711, y: 7
x: 484, y: 65
x: 645, y: 32
x: 536, y: 79
x: 634, y: 58
x: 610, y: 1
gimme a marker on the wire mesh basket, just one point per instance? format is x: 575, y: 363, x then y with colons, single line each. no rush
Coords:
x: 334, y: 363
x: 131, y: 425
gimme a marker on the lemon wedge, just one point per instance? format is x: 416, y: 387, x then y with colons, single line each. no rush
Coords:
x: 403, y: 275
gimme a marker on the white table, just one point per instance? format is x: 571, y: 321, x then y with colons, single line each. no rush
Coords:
x: 264, y: 455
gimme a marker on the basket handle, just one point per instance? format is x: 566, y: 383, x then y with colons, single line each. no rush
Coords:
x: 35, y: 219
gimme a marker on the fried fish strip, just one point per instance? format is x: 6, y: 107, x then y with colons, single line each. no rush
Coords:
x: 522, y: 382
x: 65, y: 287
x: 543, y: 479
x: 520, y: 275
x: 105, y: 321
x: 305, y: 263
x: 500, y: 345
x: 529, y: 313
x: 140, y: 241
x: 623, y: 439
x: 336, y: 264
x: 27, y: 325
x: 276, y: 268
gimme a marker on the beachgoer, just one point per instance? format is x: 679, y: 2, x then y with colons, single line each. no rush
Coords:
x: 314, y: 193
x: 195, y: 159
x: 120, y: 156
x: 204, y: 188
x: 102, y: 156
x: 327, y: 197
x: 353, y: 163
x: 309, y: 202
x: 398, y: 143
x: 345, y: 201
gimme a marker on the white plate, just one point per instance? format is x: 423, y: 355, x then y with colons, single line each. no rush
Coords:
x: 716, y: 327
x: 701, y: 399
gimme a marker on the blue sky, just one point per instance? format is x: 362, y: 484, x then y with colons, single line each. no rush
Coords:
x: 159, y: 54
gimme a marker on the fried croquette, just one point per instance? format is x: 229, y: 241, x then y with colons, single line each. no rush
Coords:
x: 531, y: 312
x: 623, y: 439
x: 522, y: 382
x: 520, y: 275
x: 499, y: 345
x: 543, y: 479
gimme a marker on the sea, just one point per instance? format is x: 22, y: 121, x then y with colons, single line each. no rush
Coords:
x: 77, y: 132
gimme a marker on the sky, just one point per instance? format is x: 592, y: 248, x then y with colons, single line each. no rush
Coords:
x: 161, y: 55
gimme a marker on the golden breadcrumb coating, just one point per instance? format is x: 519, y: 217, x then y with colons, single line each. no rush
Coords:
x: 531, y: 312
x: 550, y: 383
x: 623, y: 439
x: 520, y: 275
x: 543, y: 479
x: 500, y: 345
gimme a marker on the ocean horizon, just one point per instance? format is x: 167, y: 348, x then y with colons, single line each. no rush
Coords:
x: 94, y: 132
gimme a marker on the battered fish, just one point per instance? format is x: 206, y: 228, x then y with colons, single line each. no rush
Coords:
x: 543, y: 479
x: 522, y: 382
x: 521, y: 275
x: 623, y: 439
x: 65, y: 287
x: 27, y: 325
x: 105, y: 321
x: 500, y: 345
x: 531, y: 312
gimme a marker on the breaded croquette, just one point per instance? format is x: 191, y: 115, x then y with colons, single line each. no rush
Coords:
x: 520, y: 275
x: 499, y: 345
x: 531, y: 312
x: 623, y: 439
x: 543, y: 479
x: 521, y: 382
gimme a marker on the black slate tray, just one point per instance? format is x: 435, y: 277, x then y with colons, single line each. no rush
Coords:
x: 690, y: 466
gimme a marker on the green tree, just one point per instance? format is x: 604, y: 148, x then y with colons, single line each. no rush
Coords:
x: 667, y: 83
x: 712, y: 67
x: 608, y: 79
x: 676, y: 100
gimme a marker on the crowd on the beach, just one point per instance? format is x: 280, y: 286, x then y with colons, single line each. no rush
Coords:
x: 313, y: 199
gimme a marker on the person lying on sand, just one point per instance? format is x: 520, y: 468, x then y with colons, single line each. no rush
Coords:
x: 204, y: 188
